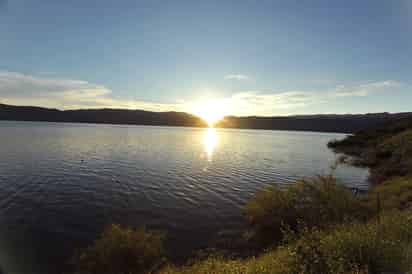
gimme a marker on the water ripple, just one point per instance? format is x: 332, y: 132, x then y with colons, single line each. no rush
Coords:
x: 70, y: 180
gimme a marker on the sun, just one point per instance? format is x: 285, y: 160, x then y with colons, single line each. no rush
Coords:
x: 211, y: 111
x: 210, y: 116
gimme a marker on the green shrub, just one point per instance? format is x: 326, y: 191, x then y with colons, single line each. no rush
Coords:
x: 273, y: 262
x: 373, y: 247
x: 394, y: 157
x: 318, y: 202
x: 395, y: 193
x: 212, y: 265
x: 121, y: 250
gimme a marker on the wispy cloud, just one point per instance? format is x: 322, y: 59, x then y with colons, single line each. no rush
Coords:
x: 294, y: 102
x: 257, y: 103
x: 366, y: 89
x: 23, y: 89
x: 238, y: 77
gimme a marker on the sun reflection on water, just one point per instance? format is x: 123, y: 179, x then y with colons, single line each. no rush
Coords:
x: 210, y: 141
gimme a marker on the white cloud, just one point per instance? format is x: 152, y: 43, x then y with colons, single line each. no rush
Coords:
x: 366, y: 89
x: 22, y: 89
x: 238, y: 77
x: 256, y: 103
x: 293, y: 102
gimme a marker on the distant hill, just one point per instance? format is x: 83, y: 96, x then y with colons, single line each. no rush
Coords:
x: 344, y: 123
x: 325, y: 123
x: 100, y: 116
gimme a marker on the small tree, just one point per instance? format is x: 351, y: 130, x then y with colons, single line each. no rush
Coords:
x: 318, y: 202
x: 121, y: 250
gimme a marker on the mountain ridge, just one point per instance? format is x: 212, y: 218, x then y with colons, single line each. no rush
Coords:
x: 340, y: 123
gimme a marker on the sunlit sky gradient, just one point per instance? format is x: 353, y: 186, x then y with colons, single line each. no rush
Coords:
x: 247, y: 57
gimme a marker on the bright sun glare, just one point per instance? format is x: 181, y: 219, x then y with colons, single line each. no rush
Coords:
x: 210, y: 111
x: 210, y: 141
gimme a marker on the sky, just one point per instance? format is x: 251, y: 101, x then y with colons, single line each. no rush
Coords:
x: 242, y: 57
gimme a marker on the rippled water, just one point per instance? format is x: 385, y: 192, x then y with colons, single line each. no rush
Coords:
x: 61, y: 183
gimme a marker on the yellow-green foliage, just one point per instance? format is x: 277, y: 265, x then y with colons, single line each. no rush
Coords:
x: 400, y: 149
x: 273, y: 262
x: 121, y: 250
x: 211, y: 266
x: 317, y: 202
x: 376, y: 246
x: 401, y: 142
x: 352, y: 248
x: 395, y: 193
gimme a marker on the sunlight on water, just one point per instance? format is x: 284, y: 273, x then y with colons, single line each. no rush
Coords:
x: 210, y: 141
x: 61, y: 183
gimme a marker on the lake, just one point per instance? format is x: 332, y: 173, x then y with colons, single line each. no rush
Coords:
x: 62, y: 183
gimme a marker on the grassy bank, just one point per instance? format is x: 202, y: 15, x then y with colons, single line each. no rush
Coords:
x: 318, y: 226
x: 313, y: 226
x: 371, y: 247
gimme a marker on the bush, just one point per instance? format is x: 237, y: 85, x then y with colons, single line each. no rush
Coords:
x: 395, y: 193
x: 212, y: 265
x: 317, y: 202
x: 373, y: 247
x: 121, y: 250
x: 273, y: 262
x: 394, y: 157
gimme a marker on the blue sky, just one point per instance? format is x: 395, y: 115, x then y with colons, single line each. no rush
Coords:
x: 245, y: 57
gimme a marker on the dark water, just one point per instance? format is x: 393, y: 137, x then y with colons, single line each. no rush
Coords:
x: 61, y: 183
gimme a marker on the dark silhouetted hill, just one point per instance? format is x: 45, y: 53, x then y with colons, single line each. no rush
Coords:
x: 345, y: 123
x: 326, y: 123
x: 99, y: 116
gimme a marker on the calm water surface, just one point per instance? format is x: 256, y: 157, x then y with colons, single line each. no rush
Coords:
x: 61, y: 183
